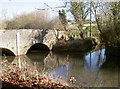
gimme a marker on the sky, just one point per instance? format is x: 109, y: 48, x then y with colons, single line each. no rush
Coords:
x: 11, y: 8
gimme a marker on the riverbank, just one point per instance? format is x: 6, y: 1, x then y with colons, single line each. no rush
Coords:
x: 112, y: 51
x: 13, y: 77
x: 77, y: 45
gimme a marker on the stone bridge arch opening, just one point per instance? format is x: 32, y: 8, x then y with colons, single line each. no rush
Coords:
x: 6, y: 52
x: 38, y: 47
x: 38, y: 52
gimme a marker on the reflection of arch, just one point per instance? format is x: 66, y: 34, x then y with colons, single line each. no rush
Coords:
x: 37, y: 57
x: 7, y: 52
x: 38, y: 47
x: 22, y: 60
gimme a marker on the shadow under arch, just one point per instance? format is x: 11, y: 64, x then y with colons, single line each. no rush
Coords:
x: 6, y: 52
x: 38, y: 52
x: 38, y: 47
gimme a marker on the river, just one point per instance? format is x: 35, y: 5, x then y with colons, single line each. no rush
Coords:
x: 78, y: 69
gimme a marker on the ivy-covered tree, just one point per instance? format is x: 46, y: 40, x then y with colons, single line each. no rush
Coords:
x: 62, y: 18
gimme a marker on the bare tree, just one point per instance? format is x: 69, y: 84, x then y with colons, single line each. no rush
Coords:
x: 80, y: 11
x: 107, y: 17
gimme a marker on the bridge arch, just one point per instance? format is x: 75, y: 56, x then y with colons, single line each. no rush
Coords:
x: 38, y: 47
x: 7, y: 52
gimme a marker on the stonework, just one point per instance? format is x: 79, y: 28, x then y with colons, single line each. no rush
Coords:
x: 19, y: 41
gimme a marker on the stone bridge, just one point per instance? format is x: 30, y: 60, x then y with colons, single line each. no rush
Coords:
x: 18, y: 42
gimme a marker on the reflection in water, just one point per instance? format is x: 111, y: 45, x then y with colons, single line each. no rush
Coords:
x: 89, y: 70
x: 37, y: 56
x: 93, y: 61
x: 22, y: 61
x: 9, y: 58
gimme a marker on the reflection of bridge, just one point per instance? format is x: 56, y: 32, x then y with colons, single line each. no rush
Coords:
x: 44, y: 63
x: 89, y: 70
x: 18, y: 42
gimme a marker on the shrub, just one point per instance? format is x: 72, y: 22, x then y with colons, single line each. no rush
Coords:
x: 35, y: 20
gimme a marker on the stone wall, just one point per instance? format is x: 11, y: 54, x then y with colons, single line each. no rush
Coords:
x: 27, y: 38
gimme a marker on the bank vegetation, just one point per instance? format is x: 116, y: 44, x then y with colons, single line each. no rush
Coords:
x: 14, y: 77
x: 34, y: 20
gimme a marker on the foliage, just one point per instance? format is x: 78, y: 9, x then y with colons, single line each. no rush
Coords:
x: 56, y: 24
x: 86, y: 30
x: 35, y: 20
x: 26, y: 21
x: 108, y: 21
x: 62, y: 18
x: 80, y: 11
x: 74, y: 45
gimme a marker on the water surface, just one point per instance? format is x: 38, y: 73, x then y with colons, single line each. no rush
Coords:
x: 87, y: 69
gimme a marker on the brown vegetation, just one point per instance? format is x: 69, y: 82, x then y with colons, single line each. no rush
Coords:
x: 35, y: 20
x: 77, y: 45
x: 15, y: 77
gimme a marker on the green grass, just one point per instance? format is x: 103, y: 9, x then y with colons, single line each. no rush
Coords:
x: 74, y: 26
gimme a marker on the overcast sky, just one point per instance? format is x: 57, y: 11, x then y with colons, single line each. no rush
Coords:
x: 12, y: 8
